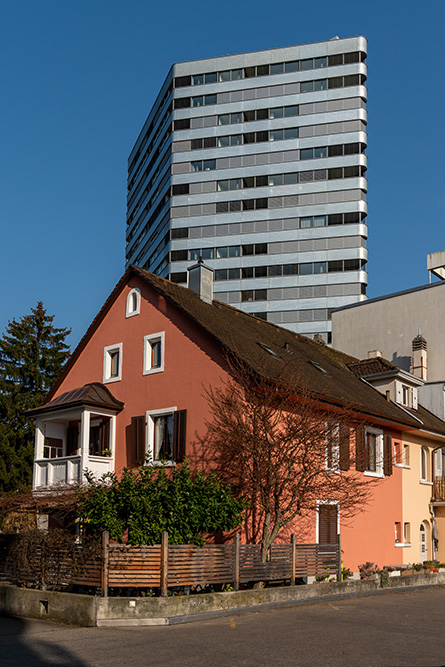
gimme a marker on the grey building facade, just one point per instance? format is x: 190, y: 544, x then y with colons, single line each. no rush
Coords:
x: 257, y: 163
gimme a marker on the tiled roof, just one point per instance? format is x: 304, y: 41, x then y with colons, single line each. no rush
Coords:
x: 372, y: 367
x: 271, y: 351
x: 322, y: 369
x: 93, y: 394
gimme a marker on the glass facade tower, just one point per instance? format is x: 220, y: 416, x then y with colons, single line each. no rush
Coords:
x: 257, y: 163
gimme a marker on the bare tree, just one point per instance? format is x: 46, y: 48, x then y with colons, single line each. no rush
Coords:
x: 279, y: 445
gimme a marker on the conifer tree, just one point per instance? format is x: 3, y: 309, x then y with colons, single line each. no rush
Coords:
x: 32, y: 354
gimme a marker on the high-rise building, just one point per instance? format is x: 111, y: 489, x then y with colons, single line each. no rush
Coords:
x: 256, y: 162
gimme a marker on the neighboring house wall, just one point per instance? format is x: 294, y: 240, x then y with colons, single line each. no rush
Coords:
x: 417, y: 489
x: 369, y: 536
x: 390, y: 323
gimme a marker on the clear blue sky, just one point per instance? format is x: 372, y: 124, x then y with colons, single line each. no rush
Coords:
x: 78, y: 80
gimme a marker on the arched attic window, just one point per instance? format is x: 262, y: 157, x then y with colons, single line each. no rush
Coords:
x: 133, y: 303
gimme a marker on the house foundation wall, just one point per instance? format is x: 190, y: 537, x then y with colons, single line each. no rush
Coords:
x: 90, y: 611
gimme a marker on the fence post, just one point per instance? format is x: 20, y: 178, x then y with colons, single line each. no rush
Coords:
x: 294, y: 558
x: 236, y: 544
x: 339, y: 557
x: 105, y: 563
x: 164, y: 563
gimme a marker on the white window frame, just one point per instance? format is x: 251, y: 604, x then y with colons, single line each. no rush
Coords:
x: 108, y: 350
x: 128, y: 311
x: 317, y: 517
x: 378, y: 472
x: 148, y: 344
x: 150, y: 431
x: 424, y: 478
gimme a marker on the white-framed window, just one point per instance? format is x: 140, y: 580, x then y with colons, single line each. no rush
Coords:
x: 424, y: 457
x: 112, y: 363
x: 332, y: 446
x: 328, y: 521
x: 374, y: 452
x: 133, y: 306
x: 160, y: 434
x: 154, y: 353
x: 406, y: 458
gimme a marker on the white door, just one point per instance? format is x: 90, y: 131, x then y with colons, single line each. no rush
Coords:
x: 423, y: 544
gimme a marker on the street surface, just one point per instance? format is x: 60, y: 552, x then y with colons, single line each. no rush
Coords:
x: 395, y: 629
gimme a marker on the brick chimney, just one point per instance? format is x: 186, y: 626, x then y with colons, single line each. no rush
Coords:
x: 419, y: 360
x: 200, y: 280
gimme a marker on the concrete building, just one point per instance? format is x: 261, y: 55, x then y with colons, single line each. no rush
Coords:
x: 256, y: 163
x: 390, y: 325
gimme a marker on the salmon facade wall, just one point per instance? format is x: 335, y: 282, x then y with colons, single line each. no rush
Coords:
x: 369, y: 535
x: 192, y: 362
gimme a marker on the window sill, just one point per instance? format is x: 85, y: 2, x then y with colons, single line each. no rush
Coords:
x: 108, y: 380
x: 370, y: 473
x: 424, y: 481
x: 402, y: 465
x: 161, y: 464
x: 150, y: 371
x: 402, y: 544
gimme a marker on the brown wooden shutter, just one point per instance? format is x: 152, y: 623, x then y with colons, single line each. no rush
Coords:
x: 327, y: 524
x: 179, y: 435
x: 387, y: 454
x: 105, y: 436
x: 345, y: 461
x: 361, y: 463
x: 138, y: 439
x: 72, y: 433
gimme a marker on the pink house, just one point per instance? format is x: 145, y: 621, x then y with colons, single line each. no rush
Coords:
x: 135, y: 386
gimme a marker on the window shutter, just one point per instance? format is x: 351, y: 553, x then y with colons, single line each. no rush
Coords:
x: 179, y: 435
x: 138, y: 439
x: 327, y: 524
x: 105, y: 436
x: 387, y: 454
x: 344, y: 447
x: 71, y: 440
x: 360, y: 449
x: 399, y: 393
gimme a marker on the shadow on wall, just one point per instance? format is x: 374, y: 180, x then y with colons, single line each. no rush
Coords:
x: 402, y: 362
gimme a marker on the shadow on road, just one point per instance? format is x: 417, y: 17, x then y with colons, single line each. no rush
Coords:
x: 22, y: 644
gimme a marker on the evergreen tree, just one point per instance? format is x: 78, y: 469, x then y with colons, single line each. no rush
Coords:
x: 32, y: 354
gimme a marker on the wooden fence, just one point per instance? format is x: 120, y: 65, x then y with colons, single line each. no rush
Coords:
x: 164, y: 566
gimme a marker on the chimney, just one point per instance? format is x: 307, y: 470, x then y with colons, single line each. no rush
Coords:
x: 200, y: 280
x: 374, y: 354
x: 419, y: 360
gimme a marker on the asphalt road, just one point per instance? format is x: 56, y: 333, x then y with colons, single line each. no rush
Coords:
x: 395, y: 629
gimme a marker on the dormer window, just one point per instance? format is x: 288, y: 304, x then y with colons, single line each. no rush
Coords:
x: 133, y: 303
x: 406, y: 395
